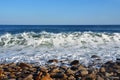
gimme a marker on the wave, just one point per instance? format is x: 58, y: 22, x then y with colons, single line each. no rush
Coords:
x: 39, y: 47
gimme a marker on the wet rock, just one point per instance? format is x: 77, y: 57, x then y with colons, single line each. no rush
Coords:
x: 55, y: 70
x: 64, y: 67
x: 12, y: 75
x: 75, y: 62
x: 92, y: 76
x: 109, y: 74
x: 118, y: 60
x: 99, y: 78
x: 102, y: 69
x: 46, y: 77
x: 70, y: 72
x: 43, y: 69
x: 29, y: 77
x: 23, y: 65
x: 83, y: 72
x: 74, y: 68
x: 81, y: 67
x: 95, y: 56
x: 71, y: 78
x: 53, y: 61
x: 1, y: 74
x: 39, y: 76
x: 58, y: 75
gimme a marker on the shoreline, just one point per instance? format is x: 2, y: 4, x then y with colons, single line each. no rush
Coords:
x: 76, y: 71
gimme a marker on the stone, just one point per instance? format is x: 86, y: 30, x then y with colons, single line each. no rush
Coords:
x: 55, y: 70
x: 46, y: 77
x: 71, y: 78
x: 70, y: 72
x: 29, y: 77
x: 75, y: 62
x: 83, y: 72
x: 53, y: 61
x: 99, y: 78
x: 58, y: 75
x: 74, y: 68
x: 95, y: 56
x: 64, y: 67
x: 118, y: 60
x: 43, y: 69
x: 109, y: 74
x: 23, y: 65
x: 102, y: 69
x: 92, y: 76
x: 39, y: 76
x: 81, y: 67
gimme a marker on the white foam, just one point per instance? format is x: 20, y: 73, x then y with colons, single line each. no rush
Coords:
x: 40, y: 47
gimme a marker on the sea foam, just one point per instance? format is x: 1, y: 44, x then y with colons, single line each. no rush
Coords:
x: 40, y: 47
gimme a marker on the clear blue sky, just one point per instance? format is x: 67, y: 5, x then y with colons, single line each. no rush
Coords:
x: 60, y: 12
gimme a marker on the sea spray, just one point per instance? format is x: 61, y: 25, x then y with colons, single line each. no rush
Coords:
x: 39, y: 47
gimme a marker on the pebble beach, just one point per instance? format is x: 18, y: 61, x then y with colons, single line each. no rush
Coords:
x: 50, y: 71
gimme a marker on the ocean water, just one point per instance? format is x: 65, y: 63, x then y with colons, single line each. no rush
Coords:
x: 39, y: 43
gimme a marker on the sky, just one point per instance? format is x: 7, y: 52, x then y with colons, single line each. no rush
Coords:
x: 60, y: 12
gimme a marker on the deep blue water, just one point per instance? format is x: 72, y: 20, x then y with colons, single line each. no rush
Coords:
x: 58, y: 28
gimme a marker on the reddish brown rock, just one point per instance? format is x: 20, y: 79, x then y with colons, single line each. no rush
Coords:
x: 29, y: 77
x: 23, y: 65
x: 46, y: 77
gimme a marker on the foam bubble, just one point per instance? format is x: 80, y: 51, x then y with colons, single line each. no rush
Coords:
x: 40, y: 47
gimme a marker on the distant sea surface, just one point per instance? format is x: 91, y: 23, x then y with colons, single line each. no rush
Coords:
x: 39, y: 43
x: 58, y: 28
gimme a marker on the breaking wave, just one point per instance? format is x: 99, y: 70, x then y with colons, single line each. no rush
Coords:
x: 39, y: 47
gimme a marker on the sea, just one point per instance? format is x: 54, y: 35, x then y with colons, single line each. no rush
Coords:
x: 40, y: 43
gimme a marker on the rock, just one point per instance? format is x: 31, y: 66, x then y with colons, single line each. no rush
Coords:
x: 92, y: 76
x: 55, y: 70
x: 70, y: 72
x: 11, y: 79
x: 64, y: 67
x: 118, y: 60
x: 99, y: 78
x: 95, y: 56
x: 39, y: 76
x: 46, y: 77
x: 108, y: 74
x: 1, y: 74
x: 58, y: 75
x: 29, y: 77
x: 53, y: 61
x: 12, y: 75
x: 43, y: 69
x: 83, y: 72
x: 81, y: 67
x: 23, y: 65
x: 102, y: 69
x: 74, y: 68
x: 75, y: 62
x: 71, y: 78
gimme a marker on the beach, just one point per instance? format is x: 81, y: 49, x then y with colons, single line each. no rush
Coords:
x: 75, y: 71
